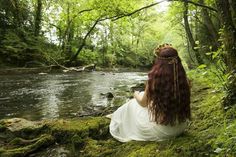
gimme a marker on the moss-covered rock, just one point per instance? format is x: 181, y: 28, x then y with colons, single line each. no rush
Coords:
x: 25, y: 137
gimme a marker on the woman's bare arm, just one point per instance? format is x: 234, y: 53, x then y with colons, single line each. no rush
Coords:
x: 141, y: 99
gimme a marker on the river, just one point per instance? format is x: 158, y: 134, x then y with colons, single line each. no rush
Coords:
x: 63, y: 95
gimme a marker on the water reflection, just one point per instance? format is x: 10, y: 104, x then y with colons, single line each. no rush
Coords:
x: 61, y: 95
x: 50, y: 92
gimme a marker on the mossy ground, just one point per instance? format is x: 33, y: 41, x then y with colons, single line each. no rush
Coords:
x: 211, y: 132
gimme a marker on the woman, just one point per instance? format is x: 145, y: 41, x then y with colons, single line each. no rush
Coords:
x: 163, y: 109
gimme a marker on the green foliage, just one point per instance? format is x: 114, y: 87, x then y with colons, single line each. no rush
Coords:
x: 14, y: 50
x: 88, y: 57
x: 22, y: 49
x: 110, y: 60
x: 202, y: 66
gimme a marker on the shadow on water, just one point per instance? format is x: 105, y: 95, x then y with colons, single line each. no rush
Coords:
x: 36, y: 97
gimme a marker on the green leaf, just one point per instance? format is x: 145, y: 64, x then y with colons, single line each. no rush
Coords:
x: 202, y: 66
x: 215, y: 54
x: 209, y: 53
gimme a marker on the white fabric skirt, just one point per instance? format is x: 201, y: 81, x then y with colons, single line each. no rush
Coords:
x: 131, y: 122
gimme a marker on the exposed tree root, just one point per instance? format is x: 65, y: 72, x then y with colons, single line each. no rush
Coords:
x: 22, y: 137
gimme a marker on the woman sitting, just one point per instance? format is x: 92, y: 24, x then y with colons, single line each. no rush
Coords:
x: 160, y: 112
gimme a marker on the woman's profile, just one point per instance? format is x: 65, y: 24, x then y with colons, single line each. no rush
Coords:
x: 163, y: 109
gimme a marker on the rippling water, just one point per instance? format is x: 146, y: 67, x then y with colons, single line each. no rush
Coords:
x: 36, y: 97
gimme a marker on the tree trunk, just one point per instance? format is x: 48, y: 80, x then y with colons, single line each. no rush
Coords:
x: 38, y: 18
x: 229, y: 42
x: 190, y: 35
x: 16, y: 14
x: 210, y: 26
x: 70, y: 37
x: 83, y: 42
x: 232, y: 4
x: 229, y: 33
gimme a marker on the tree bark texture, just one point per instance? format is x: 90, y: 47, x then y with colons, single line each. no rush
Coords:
x: 229, y: 33
x: 232, y: 4
x: 190, y: 35
x: 38, y: 18
x: 210, y: 26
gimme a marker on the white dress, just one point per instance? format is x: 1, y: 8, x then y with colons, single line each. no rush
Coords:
x: 131, y: 122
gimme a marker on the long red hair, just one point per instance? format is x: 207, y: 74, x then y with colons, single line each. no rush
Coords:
x: 168, y: 91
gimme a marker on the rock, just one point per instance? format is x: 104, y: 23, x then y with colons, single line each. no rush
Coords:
x: 138, y: 87
x: 43, y: 73
x: 17, y: 124
x: 108, y: 95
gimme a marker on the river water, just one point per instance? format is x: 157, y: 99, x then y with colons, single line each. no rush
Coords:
x: 64, y: 95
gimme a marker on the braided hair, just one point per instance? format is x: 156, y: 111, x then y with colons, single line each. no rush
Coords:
x: 168, y: 91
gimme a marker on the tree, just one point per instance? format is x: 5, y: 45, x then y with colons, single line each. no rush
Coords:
x: 38, y: 18
x: 189, y: 34
x: 226, y: 14
x: 210, y: 26
x: 229, y: 32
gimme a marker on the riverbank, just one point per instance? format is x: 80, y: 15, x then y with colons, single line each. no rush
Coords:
x: 59, y: 69
x: 210, y: 133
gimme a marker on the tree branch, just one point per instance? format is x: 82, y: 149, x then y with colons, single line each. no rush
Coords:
x: 116, y: 17
x: 201, y: 5
x: 84, y: 40
x: 135, y: 11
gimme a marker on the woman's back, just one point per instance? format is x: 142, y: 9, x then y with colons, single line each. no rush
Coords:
x: 168, y: 89
x: 162, y: 111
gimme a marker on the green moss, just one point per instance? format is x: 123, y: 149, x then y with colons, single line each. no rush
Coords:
x: 77, y: 141
x: 99, y: 147
x: 42, y: 141
x: 2, y: 128
x: 93, y: 127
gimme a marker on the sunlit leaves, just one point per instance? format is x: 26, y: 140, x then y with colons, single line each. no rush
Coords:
x: 202, y: 66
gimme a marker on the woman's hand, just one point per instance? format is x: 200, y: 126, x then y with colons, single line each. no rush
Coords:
x: 136, y: 94
x: 141, y: 98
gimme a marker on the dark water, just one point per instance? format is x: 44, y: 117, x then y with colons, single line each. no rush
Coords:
x: 36, y: 97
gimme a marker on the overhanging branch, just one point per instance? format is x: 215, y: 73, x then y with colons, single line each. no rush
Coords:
x: 116, y: 17
x: 201, y: 5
